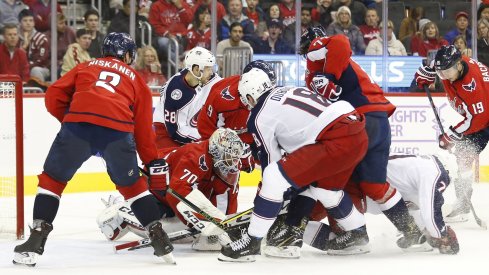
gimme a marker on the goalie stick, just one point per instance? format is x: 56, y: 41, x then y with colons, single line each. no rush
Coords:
x: 479, y: 222
x: 230, y: 223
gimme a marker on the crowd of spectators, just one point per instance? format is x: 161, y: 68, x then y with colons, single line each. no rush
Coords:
x: 267, y: 27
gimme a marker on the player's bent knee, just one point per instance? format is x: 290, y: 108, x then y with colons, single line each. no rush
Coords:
x: 49, y: 186
x: 379, y: 192
x: 275, y: 183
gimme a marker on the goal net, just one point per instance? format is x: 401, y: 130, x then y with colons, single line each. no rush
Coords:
x: 11, y: 157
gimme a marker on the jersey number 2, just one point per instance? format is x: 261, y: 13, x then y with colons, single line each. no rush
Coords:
x: 108, y: 80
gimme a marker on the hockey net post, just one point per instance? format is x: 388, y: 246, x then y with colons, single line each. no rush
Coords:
x: 12, y: 159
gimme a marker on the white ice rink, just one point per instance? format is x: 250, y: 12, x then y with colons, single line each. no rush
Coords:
x: 77, y: 247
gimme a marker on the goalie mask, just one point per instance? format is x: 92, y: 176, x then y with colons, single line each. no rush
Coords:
x: 226, y: 149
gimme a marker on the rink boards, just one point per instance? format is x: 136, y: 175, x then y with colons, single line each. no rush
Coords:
x: 413, y: 127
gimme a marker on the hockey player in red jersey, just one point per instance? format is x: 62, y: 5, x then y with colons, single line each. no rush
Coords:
x: 223, y: 108
x: 105, y: 108
x: 333, y: 74
x: 466, y: 82
x: 205, y: 173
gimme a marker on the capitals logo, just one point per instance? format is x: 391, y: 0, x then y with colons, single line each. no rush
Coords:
x: 226, y: 94
x: 203, y: 166
x: 469, y: 87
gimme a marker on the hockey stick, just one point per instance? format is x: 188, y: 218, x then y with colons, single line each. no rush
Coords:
x: 231, y: 222
x: 479, y: 222
x: 146, y: 242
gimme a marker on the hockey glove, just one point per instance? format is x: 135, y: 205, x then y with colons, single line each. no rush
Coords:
x: 425, y: 76
x: 158, y: 177
x: 447, y: 244
x: 247, y: 160
x: 448, y: 140
x: 321, y: 85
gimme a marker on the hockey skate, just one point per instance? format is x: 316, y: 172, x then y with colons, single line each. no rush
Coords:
x: 241, y: 250
x: 160, y: 242
x: 351, y: 242
x: 28, y: 252
x: 414, y: 241
x: 206, y: 243
x: 284, y: 241
x: 459, y: 213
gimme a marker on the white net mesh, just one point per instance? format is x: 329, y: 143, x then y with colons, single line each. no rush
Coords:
x: 7, y: 159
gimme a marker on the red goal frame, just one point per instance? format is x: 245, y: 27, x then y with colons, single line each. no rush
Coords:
x: 19, y: 149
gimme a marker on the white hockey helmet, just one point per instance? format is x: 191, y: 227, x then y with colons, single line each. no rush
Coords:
x: 226, y: 149
x: 201, y: 57
x: 253, y: 83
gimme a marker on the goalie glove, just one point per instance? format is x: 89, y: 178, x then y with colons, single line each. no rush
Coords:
x: 449, y: 139
x: 205, y: 227
x: 118, y: 219
x: 321, y: 85
x: 447, y: 244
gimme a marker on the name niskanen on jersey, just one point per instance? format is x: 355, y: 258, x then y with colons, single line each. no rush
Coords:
x: 114, y: 65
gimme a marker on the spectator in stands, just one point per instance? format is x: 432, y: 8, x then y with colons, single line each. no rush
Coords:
x: 66, y: 36
x: 257, y: 16
x: 429, y: 40
x: 170, y: 19
x: 357, y: 9
x: 275, y: 44
x: 323, y: 13
x: 273, y: 12
x: 461, y: 28
x: 483, y: 11
x: 287, y: 11
x: 409, y: 25
x: 120, y: 22
x: 288, y: 33
x: 42, y: 13
x: 9, y: 12
x: 461, y: 44
x: 235, y: 14
x: 149, y: 67
x: 235, y: 40
x: 483, y: 41
x: 199, y: 33
x: 221, y: 10
x: 394, y: 46
x: 77, y: 52
x: 36, y: 45
x: 371, y: 28
x: 344, y: 25
x: 91, y: 18
x: 14, y: 59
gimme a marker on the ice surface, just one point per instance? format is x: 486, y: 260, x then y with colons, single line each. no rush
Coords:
x: 77, y: 247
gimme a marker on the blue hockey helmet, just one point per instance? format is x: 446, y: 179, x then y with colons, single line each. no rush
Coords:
x: 264, y: 66
x: 117, y: 44
x: 308, y: 36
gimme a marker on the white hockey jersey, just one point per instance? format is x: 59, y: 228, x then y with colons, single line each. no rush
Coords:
x: 420, y: 179
x: 289, y: 118
x: 179, y: 106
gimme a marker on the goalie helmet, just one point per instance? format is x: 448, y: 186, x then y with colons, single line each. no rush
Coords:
x: 117, y: 44
x: 308, y: 36
x: 226, y: 149
x: 253, y: 83
x: 200, y: 57
x: 264, y: 66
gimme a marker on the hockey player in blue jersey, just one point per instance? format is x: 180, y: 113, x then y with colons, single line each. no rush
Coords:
x: 175, y: 116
